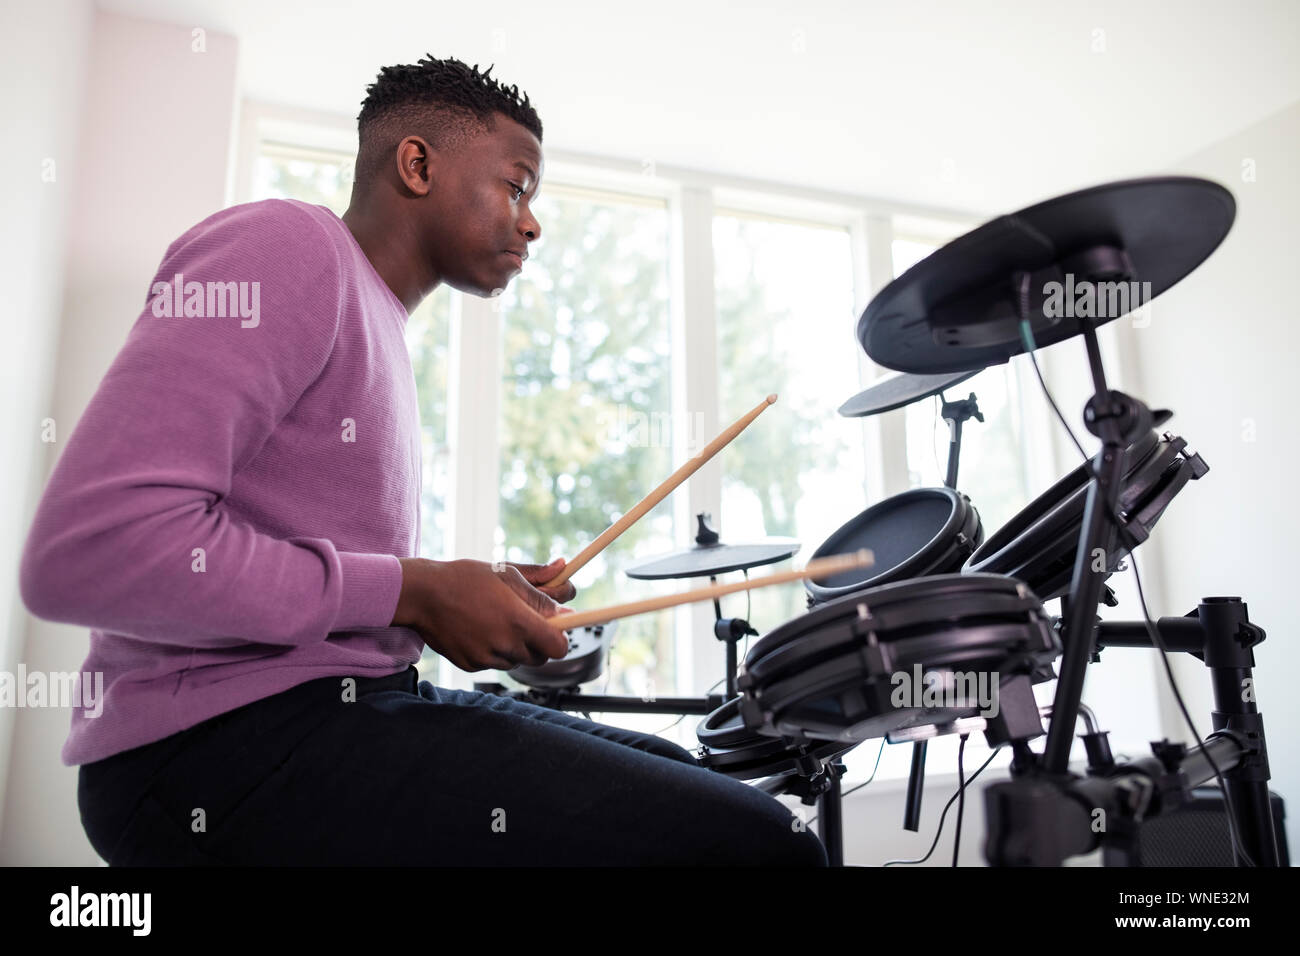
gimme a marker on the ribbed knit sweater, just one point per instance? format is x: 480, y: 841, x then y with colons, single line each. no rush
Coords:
x: 228, y: 514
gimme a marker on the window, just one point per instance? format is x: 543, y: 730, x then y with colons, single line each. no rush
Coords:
x: 992, y: 463
x: 586, y: 401
x: 784, y: 295
x: 317, y: 176
x: 992, y: 473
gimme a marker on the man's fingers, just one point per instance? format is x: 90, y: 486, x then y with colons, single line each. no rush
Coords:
x: 540, y: 573
x: 543, y: 637
x: 536, y: 598
x: 523, y: 654
x: 562, y: 593
x: 501, y: 662
x: 540, y: 635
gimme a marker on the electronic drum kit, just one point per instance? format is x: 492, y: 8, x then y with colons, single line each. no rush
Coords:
x: 944, y: 601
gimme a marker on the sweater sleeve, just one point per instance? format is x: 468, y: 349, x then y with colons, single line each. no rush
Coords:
x: 188, y: 401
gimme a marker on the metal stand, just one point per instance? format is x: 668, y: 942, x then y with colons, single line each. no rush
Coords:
x: 572, y: 698
x: 830, y: 817
x: 729, y: 630
x: 819, y: 783
x: 955, y: 414
x: 1045, y: 814
x: 1219, y: 633
x: 1117, y: 420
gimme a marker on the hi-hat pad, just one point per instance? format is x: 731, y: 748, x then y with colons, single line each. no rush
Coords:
x: 709, y: 556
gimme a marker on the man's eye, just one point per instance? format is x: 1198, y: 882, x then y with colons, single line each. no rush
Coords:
x: 517, y: 188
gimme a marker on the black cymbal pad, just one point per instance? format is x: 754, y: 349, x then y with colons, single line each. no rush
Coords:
x: 1069, y: 263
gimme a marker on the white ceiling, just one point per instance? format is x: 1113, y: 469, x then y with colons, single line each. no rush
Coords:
x: 964, y: 105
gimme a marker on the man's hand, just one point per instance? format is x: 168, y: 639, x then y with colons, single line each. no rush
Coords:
x: 480, y: 615
x: 538, y: 574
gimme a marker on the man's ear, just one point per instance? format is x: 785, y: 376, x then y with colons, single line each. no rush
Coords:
x: 415, y: 165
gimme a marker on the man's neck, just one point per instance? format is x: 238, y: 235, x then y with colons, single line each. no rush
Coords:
x: 393, y: 252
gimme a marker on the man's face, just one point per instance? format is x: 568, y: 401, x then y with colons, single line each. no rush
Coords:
x: 478, y: 208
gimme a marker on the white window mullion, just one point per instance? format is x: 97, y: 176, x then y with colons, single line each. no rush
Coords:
x: 474, y: 402
x: 700, y: 657
x: 886, y: 435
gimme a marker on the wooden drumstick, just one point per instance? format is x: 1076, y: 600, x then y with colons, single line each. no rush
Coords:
x: 658, y: 495
x: 819, y: 567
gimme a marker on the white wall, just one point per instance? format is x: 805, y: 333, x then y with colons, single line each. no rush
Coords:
x: 44, y: 49
x: 1221, y: 351
x: 155, y: 136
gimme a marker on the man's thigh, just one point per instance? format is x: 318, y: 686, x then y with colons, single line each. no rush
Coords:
x: 631, y: 738
x: 456, y: 778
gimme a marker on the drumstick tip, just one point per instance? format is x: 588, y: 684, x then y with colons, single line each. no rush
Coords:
x: 771, y: 399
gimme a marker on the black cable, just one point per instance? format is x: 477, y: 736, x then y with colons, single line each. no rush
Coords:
x: 934, y: 445
x: 683, y: 716
x: 665, y: 730
x: 748, y: 610
x: 858, y: 786
x: 961, y: 794
x: 1051, y: 401
x: 1027, y: 337
x: 944, y: 815
x: 1154, y: 633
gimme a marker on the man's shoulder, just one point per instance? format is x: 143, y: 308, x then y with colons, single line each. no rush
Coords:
x: 284, y: 248
x: 271, y: 226
x: 293, y: 211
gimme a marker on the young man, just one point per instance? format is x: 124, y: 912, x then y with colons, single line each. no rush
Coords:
x: 236, y: 517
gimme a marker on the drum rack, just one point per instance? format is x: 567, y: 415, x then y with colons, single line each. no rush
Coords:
x: 1044, y: 813
x: 989, y: 295
x: 1038, y: 818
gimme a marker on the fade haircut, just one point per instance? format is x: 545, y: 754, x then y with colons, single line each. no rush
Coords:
x: 443, y: 101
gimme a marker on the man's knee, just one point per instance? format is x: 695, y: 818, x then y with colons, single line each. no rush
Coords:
x: 737, y: 825
x: 782, y: 838
x: 666, y: 748
x: 805, y: 848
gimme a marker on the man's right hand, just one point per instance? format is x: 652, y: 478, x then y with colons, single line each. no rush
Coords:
x: 479, y: 617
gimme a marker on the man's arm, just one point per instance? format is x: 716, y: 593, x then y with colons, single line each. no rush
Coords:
x: 187, y: 402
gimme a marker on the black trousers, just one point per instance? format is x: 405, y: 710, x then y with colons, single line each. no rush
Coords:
x: 412, y: 774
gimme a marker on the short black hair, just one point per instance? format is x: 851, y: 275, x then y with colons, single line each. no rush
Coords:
x: 444, y: 101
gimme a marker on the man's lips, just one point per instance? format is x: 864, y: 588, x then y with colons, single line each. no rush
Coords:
x: 517, y: 258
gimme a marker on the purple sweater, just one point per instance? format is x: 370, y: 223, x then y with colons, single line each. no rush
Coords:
x: 228, y: 513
